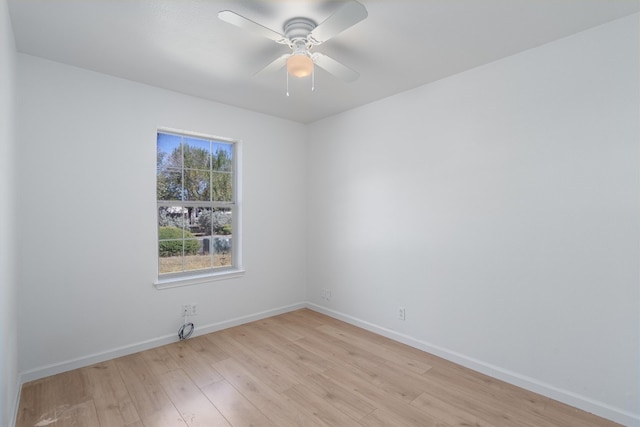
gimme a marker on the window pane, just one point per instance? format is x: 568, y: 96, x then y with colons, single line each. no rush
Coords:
x: 194, y: 256
x: 197, y: 185
x: 172, y: 217
x: 169, y: 264
x: 222, y: 251
x: 197, y: 154
x: 215, y: 221
x: 171, y: 223
x: 169, y: 185
x: 222, y: 237
x: 169, y: 154
x: 202, y: 222
x: 222, y: 156
x: 222, y: 190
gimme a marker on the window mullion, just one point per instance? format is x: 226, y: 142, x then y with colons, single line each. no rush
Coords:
x: 212, y: 246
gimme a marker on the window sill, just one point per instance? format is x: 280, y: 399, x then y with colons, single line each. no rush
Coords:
x: 175, y: 282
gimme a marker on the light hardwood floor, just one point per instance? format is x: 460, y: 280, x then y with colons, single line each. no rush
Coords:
x: 297, y: 369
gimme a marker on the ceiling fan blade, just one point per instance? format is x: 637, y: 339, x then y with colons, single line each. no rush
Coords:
x: 334, y: 67
x: 275, y: 65
x: 249, y: 25
x: 348, y: 15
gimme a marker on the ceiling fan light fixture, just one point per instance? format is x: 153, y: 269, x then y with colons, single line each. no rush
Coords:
x: 299, y: 65
x: 301, y: 34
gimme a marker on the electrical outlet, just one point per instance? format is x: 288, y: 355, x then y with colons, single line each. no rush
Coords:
x: 185, y: 309
x: 188, y: 310
x: 325, y: 294
x: 402, y: 313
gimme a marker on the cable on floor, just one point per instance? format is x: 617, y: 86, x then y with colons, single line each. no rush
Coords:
x: 186, y: 329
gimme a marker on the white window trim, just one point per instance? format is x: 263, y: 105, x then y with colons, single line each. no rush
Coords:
x: 199, y: 277
x: 195, y: 279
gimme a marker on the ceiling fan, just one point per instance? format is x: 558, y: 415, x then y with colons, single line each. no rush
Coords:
x: 301, y: 34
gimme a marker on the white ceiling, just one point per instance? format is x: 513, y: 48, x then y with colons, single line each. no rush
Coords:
x: 182, y: 46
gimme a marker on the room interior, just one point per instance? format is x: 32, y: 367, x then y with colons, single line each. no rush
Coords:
x: 482, y: 173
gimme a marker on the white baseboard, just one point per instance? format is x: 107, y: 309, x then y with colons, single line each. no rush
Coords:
x: 573, y: 399
x: 83, y: 361
x: 13, y: 418
x: 246, y: 319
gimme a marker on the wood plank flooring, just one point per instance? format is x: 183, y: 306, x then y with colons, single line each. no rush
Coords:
x: 297, y: 369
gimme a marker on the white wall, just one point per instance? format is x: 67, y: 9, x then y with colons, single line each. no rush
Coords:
x: 87, y: 215
x: 8, y: 277
x: 500, y: 206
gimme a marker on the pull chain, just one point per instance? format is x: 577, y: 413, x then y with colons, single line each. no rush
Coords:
x: 287, y: 73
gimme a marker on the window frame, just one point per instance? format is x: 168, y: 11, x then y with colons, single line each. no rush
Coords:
x: 184, y: 278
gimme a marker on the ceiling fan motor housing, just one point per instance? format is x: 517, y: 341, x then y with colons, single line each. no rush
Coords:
x: 298, y: 29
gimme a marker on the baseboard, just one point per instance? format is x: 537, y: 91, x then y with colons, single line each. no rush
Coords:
x: 573, y: 399
x: 207, y: 329
x: 83, y: 361
x: 13, y: 418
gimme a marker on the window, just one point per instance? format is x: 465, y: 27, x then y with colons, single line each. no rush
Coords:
x: 198, y: 210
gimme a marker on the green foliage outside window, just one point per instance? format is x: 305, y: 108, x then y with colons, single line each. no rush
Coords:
x: 174, y: 247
